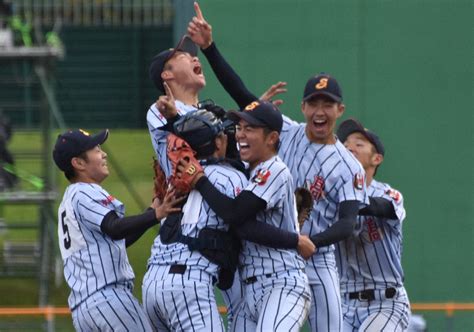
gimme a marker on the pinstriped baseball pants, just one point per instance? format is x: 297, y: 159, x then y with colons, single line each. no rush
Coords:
x: 180, y: 302
x: 279, y: 302
x: 112, y: 308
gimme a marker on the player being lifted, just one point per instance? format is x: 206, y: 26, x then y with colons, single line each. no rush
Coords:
x: 183, y: 268
x: 369, y: 261
x: 276, y: 292
x: 317, y: 161
x: 93, y: 234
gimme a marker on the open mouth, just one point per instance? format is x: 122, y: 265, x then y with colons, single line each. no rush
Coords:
x: 243, y: 146
x: 319, y: 123
x: 197, y: 70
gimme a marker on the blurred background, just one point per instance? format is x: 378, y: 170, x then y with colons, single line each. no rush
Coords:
x: 405, y: 67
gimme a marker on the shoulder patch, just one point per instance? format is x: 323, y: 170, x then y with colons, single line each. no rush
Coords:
x: 261, y: 177
x: 395, y: 195
x: 359, y: 181
x: 108, y: 200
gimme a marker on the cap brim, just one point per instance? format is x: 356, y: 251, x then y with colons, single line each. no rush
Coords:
x: 348, y: 127
x: 236, y: 116
x: 323, y: 93
x: 187, y: 45
x: 98, y: 139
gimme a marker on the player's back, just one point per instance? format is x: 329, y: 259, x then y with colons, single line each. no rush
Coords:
x: 329, y: 171
x: 197, y: 215
x: 92, y: 260
x: 371, y: 257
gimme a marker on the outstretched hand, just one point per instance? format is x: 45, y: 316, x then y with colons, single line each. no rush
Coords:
x: 163, y: 209
x: 274, y: 90
x: 199, y: 30
x: 165, y: 104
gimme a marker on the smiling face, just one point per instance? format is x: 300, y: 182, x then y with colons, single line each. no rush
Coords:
x: 321, y: 113
x: 184, y: 70
x: 256, y: 144
x: 93, y: 167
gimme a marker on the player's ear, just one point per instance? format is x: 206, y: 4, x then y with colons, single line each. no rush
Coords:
x: 377, y: 159
x: 78, y: 163
x: 340, y: 109
x: 166, y: 75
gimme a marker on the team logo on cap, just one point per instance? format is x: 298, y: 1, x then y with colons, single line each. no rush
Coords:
x: 261, y: 177
x: 359, y: 181
x: 323, y: 83
x: 316, y: 188
x: 84, y: 132
x: 251, y: 106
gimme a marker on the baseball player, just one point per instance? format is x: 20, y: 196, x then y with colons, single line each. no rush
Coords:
x: 93, y: 234
x: 317, y: 161
x: 276, y: 293
x: 178, y: 274
x: 373, y: 296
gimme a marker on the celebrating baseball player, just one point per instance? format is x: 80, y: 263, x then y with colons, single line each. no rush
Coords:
x: 373, y: 296
x: 184, y: 267
x: 319, y: 163
x: 93, y: 234
x: 276, y: 293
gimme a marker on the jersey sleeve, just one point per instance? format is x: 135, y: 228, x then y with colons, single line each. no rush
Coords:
x: 267, y: 184
x: 354, y: 188
x: 396, y: 198
x: 92, y: 206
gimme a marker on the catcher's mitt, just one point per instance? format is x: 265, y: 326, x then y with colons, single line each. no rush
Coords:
x: 304, y: 204
x: 160, y: 185
x: 178, y: 149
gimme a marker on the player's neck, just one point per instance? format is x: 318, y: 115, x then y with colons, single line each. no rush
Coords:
x: 186, y: 96
x: 369, y: 176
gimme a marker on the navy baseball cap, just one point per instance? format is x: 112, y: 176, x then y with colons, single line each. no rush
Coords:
x: 158, y: 62
x: 322, y: 84
x: 351, y: 126
x: 74, y: 142
x: 259, y: 114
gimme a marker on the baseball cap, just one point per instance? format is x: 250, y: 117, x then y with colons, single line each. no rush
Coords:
x: 74, y: 142
x: 158, y: 62
x: 259, y: 114
x: 351, y: 126
x: 322, y: 84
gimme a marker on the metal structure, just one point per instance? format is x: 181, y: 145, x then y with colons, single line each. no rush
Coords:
x: 42, y: 60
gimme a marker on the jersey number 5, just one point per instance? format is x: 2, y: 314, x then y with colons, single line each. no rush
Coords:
x: 67, y: 237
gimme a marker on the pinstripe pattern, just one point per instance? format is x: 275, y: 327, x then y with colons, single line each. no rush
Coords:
x: 329, y: 172
x: 277, y: 191
x: 371, y: 259
x: 92, y: 260
x: 158, y: 137
x: 277, y: 303
x: 378, y: 315
x: 96, y: 267
x: 110, y: 309
x: 186, y: 304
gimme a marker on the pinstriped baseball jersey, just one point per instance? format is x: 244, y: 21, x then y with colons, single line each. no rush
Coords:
x: 272, y: 182
x: 92, y: 260
x: 330, y: 172
x: 158, y: 136
x: 371, y: 258
x: 197, y: 215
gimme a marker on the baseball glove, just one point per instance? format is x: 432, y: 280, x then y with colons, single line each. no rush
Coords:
x: 159, y: 181
x: 178, y: 149
x: 304, y: 204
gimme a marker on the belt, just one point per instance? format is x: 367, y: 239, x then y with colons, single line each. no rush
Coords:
x: 369, y: 294
x: 177, y: 269
x: 253, y: 279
